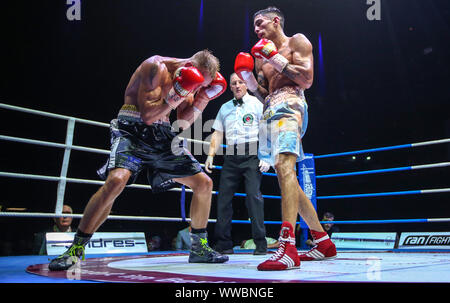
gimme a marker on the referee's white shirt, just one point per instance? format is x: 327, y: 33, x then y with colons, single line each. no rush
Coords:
x: 239, y: 123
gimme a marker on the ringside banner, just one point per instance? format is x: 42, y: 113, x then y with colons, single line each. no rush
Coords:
x: 100, y: 243
x: 369, y: 240
x: 425, y: 240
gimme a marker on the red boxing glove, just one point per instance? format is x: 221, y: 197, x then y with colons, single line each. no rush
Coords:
x: 186, y: 80
x: 244, y: 63
x: 217, y: 87
x: 266, y: 49
x: 243, y: 67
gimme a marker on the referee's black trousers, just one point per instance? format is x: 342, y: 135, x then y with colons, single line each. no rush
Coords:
x: 235, y: 168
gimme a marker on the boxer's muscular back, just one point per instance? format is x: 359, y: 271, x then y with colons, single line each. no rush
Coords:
x: 151, y: 81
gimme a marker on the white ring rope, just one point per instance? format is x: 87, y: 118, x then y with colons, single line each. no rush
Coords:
x: 79, y: 216
x: 79, y: 181
x: 54, y: 144
x: 63, y: 117
x: 51, y: 115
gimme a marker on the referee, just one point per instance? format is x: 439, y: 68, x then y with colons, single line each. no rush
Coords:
x: 238, y: 119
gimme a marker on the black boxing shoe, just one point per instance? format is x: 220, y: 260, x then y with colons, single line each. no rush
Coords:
x: 68, y: 259
x: 202, y: 253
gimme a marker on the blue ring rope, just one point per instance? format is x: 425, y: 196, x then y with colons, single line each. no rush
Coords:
x: 393, y: 193
x: 371, y: 150
x: 363, y: 151
x: 429, y: 220
x: 384, y: 170
x: 365, y: 172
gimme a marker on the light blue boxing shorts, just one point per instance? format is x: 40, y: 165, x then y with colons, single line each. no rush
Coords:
x: 284, y: 122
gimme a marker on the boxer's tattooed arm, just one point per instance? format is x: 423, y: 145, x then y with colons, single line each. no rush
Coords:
x: 291, y: 72
x: 299, y: 74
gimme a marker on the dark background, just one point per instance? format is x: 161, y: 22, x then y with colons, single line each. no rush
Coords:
x: 381, y: 83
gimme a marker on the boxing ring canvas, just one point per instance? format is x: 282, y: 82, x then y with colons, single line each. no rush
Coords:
x: 170, y: 267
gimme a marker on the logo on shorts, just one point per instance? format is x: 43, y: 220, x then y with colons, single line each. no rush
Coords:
x: 248, y: 119
x: 132, y: 159
x: 267, y: 114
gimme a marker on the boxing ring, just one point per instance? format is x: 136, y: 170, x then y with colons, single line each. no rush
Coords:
x: 366, y: 265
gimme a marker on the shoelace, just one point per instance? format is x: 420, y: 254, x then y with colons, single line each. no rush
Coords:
x: 280, y: 251
x: 74, y: 251
x: 204, y: 243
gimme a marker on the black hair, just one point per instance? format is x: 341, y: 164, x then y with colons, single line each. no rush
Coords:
x: 271, y: 10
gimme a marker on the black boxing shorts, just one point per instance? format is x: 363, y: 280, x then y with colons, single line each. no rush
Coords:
x: 154, y: 148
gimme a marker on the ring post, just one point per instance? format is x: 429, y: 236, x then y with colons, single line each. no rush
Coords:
x: 65, y: 165
x: 307, y: 180
x: 183, y: 203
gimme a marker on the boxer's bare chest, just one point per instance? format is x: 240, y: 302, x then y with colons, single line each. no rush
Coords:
x: 275, y: 79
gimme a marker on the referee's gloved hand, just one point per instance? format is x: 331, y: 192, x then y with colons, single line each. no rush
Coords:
x: 209, y: 164
x: 263, y: 166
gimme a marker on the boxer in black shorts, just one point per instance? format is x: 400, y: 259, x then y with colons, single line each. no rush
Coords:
x: 142, y: 139
x: 154, y: 148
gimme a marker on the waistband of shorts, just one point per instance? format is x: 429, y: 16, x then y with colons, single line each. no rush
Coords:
x: 284, y: 92
x: 131, y: 113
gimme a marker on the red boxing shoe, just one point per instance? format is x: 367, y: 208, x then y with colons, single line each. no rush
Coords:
x: 286, y: 256
x: 323, y: 249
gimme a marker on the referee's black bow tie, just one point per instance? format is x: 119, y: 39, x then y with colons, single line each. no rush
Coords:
x: 237, y: 102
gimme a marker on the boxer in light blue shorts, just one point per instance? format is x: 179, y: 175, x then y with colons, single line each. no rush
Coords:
x: 284, y: 122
